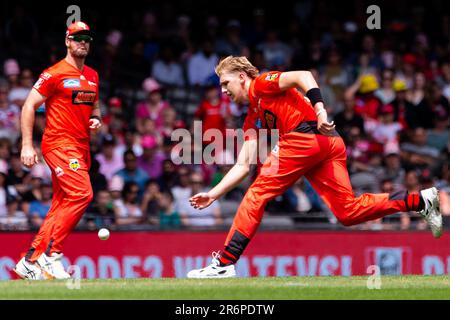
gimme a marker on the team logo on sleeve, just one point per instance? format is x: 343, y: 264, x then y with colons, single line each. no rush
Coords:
x: 71, y: 83
x: 271, y: 119
x: 271, y: 76
x: 74, y: 164
x: 38, y: 83
x: 83, y: 97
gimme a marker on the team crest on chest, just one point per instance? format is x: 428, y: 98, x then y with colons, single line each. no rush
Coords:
x: 271, y: 119
x: 74, y: 164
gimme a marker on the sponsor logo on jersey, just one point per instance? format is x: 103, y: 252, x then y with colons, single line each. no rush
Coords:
x: 82, y: 77
x: 271, y: 76
x: 271, y: 119
x: 46, y: 75
x: 71, y: 83
x: 59, y: 172
x: 74, y: 164
x: 83, y: 97
x: 92, y: 83
x: 38, y: 83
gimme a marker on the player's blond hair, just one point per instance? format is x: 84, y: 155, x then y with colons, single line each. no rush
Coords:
x: 237, y: 64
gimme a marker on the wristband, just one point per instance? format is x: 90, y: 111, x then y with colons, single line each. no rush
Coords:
x: 96, y: 117
x: 314, y: 96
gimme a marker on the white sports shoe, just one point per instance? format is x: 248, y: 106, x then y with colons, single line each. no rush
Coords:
x: 53, y: 266
x: 28, y: 271
x: 431, y: 212
x: 214, y: 270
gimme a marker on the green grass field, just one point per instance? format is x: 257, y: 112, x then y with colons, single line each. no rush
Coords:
x: 296, y: 288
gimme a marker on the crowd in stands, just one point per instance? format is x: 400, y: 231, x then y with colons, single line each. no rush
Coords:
x: 388, y: 93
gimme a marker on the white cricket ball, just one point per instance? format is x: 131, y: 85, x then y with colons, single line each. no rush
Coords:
x: 103, y: 234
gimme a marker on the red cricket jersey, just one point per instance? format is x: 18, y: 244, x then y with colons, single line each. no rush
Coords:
x: 71, y: 96
x: 272, y: 108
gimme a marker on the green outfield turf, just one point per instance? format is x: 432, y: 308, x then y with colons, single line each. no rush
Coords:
x: 392, y: 287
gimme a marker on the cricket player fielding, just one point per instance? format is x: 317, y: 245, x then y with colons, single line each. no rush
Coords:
x: 70, y: 92
x: 308, y: 146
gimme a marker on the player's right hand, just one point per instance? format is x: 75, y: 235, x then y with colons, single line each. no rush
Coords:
x: 201, y: 200
x: 28, y: 156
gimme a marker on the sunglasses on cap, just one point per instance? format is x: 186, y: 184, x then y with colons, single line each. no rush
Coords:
x: 81, y: 37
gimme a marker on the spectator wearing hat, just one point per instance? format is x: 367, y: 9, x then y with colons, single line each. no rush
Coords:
x: 153, y: 106
x: 109, y: 158
x: 403, y: 109
x: 152, y: 158
x: 366, y: 104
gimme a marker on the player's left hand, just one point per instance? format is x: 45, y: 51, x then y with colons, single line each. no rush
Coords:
x: 94, y: 123
x: 325, y: 127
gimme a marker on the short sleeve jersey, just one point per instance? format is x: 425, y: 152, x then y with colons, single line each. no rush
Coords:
x: 272, y: 108
x: 71, y: 96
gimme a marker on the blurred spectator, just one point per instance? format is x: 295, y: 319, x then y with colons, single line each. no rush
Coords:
x: 416, y: 153
x: 110, y: 159
x: 149, y: 203
x: 11, y: 70
x: 18, y: 94
x: 212, y: 111
x: 302, y: 202
x: 412, y: 185
x: 181, y: 191
x: 9, y: 117
x: 191, y: 217
x: 168, y: 216
x: 200, y: 65
x: 153, y: 106
x: 39, y: 208
x: 132, y: 173
x: 393, y: 170
x: 101, y: 212
x: 403, y: 109
x: 168, y: 123
x: 417, y: 96
x: 98, y: 180
x: 367, y: 104
x: 439, y: 135
x: 127, y: 210
x: 15, y: 219
x: 152, y: 158
x: 277, y: 54
x: 17, y: 175
x: 387, y: 129
x: 167, y: 70
x: 335, y: 75
x: 386, y: 92
x: 231, y: 43
x: 347, y: 119
x: 169, y: 176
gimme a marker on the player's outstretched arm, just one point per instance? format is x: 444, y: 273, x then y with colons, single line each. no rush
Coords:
x: 237, y: 173
x: 28, y: 155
